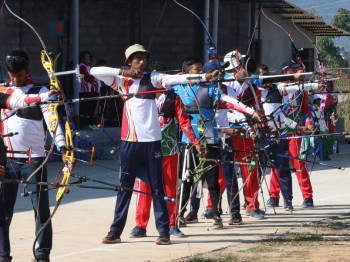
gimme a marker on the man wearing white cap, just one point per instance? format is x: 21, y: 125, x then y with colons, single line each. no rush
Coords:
x: 245, y: 66
x: 140, y: 135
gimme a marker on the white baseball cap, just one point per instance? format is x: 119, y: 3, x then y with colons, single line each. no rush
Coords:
x: 231, y: 58
x: 317, y: 96
x: 134, y: 49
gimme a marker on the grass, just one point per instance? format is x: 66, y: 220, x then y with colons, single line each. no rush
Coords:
x: 291, y: 246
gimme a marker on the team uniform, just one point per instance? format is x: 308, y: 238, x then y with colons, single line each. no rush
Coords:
x: 141, y: 140
x: 206, y: 96
x: 227, y: 177
x: 280, y: 176
x: 298, y: 111
x: 28, y: 122
x: 243, y: 93
x: 169, y: 106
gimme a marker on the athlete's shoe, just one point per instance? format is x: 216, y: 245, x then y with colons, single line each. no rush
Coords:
x: 111, y: 238
x: 191, y: 218
x: 247, y: 212
x: 182, y: 222
x: 244, y: 206
x: 257, y: 214
x: 288, y: 205
x: 163, y: 239
x: 5, y: 259
x: 217, y: 222
x: 208, y: 214
x: 273, y: 202
x: 176, y: 232
x: 235, y: 220
x: 308, y: 202
x: 39, y: 258
x: 138, y: 232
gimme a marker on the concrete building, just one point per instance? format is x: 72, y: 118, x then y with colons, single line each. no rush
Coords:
x: 107, y: 27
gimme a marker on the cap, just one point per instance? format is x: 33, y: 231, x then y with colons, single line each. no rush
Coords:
x: 288, y: 63
x: 133, y: 49
x: 317, y: 96
x: 231, y: 58
x: 214, y: 65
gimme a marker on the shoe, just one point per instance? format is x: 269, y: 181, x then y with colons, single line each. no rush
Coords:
x: 235, y: 220
x: 163, y: 239
x: 244, y: 206
x: 138, y: 232
x: 217, y: 223
x: 182, y: 222
x: 191, y: 218
x: 111, y: 238
x: 208, y: 214
x: 5, y: 259
x: 288, y: 205
x: 273, y: 202
x: 176, y: 232
x: 257, y: 214
x: 308, y: 202
x: 247, y: 212
x: 39, y: 258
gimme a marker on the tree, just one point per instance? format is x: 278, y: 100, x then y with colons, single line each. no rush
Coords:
x: 342, y: 19
x: 328, y: 52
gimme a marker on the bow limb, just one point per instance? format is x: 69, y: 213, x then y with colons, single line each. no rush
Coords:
x: 296, y: 51
x: 53, y: 120
x: 49, y: 62
x: 69, y: 163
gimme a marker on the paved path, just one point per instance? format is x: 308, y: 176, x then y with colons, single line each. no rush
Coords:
x: 84, y: 217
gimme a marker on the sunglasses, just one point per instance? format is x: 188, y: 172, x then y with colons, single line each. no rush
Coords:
x: 16, y: 59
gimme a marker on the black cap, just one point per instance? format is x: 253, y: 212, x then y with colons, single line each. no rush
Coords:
x: 289, y: 63
x: 214, y: 65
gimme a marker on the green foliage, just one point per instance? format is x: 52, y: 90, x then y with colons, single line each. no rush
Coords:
x: 329, y: 53
x: 342, y: 19
x: 344, y: 101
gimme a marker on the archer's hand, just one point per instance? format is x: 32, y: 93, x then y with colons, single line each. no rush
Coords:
x: 257, y: 116
x: 252, y: 134
x: 230, y: 131
x: 64, y: 160
x: 210, y: 76
x: 2, y: 171
x: 134, y: 73
x: 198, y: 148
x: 299, y: 77
x: 320, y: 86
x: 55, y: 91
x: 305, y: 130
x: 202, y: 152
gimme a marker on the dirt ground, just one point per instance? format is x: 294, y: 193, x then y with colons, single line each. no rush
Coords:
x: 321, y: 241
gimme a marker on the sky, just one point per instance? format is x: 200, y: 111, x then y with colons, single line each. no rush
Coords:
x: 327, y: 9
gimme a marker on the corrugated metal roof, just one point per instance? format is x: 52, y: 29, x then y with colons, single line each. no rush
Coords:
x: 302, y: 18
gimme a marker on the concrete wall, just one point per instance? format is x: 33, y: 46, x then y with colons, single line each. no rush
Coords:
x: 276, y: 45
x: 107, y: 27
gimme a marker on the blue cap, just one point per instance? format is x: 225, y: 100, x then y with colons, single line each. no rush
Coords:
x: 214, y: 65
x: 289, y: 63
